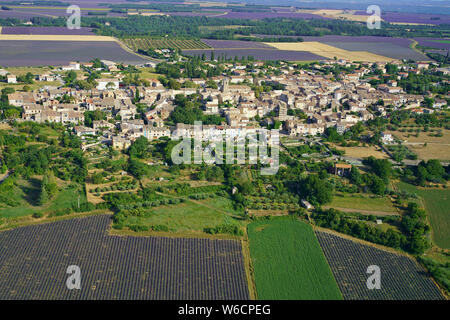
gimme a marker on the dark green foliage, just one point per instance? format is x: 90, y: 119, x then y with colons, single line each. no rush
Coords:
x: 225, y: 229
x: 314, y: 189
x: 338, y: 221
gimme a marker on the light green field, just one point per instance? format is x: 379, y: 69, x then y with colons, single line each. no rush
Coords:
x: 363, y: 203
x: 27, y: 193
x: 437, y: 204
x: 189, y: 216
x: 288, y: 262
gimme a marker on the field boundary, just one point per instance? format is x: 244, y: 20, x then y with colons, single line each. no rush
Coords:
x: 46, y: 220
x: 249, y: 270
x: 375, y: 245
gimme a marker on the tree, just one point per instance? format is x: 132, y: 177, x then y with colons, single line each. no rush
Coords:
x: 315, y: 190
x: 355, y: 176
x: 43, y: 197
x: 380, y: 167
x: 137, y: 169
x: 139, y: 148
x: 377, y: 185
x: 211, y: 84
x: 110, y: 85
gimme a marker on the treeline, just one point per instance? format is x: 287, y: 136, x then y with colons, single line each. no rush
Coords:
x: 179, y: 26
x: 414, y: 239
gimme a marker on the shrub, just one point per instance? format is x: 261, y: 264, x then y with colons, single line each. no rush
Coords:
x: 38, y: 215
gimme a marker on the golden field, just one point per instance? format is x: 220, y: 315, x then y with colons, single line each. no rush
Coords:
x: 329, y: 52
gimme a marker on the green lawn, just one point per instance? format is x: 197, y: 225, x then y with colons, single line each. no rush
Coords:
x: 437, y: 204
x: 221, y: 204
x: 184, y: 217
x: 288, y: 262
x: 362, y: 203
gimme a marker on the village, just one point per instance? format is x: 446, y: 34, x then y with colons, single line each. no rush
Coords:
x: 301, y: 102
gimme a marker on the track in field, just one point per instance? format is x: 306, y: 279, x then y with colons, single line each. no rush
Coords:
x: 34, y: 261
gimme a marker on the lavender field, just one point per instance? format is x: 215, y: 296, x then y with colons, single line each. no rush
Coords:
x: 43, y: 53
x: 34, y: 261
x: 404, y: 17
x: 235, y: 44
x: 259, y: 54
x: 46, y: 30
x: 401, y: 277
x: 437, y: 43
x: 396, y: 48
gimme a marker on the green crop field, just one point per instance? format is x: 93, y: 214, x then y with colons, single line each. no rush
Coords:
x: 288, y: 262
x: 437, y: 204
x: 188, y: 216
x: 182, y: 44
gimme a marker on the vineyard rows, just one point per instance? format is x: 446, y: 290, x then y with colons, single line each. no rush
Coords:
x: 401, y: 277
x: 34, y: 260
x: 146, y: 44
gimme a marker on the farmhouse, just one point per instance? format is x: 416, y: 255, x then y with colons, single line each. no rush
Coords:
x: 342, y: 169
x: 10, y: 78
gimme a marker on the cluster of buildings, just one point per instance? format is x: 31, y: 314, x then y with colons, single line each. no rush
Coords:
x: 305, y: 102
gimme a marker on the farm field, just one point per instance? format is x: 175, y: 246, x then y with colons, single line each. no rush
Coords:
x: 386, y: 49
x: 55, y: 37
x: 259, y: 54
x: 411, y: 18
x: 401, y: 277
x: 363, y: 152
x: 330, y: 52
x: 336, y: 14
x: 435, y: 148
x: 379, y: 206
x: 437, y: 204
x: 45, y: 30
x: 191, y: 216
x: 145, y: 44
x: 235, y: 44
x: 116, y: 267
x: 44, y: 53
x: 288, y: 262
x: 26, y: 194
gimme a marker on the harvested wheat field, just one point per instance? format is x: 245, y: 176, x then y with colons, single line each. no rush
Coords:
x: 341, y: 14
x: 363, y: 152
x: 427, y: 146
x: 330, y: 52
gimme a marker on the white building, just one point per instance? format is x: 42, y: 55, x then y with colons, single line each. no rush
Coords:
x: 10, y: 78
x: 104, y: 84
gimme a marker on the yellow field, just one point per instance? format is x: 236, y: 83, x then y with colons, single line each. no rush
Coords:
x: 363, y: 152
x: 329, y: 52
x: 38, y: 37
x: 337, y: 14
x: 435, y: 148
